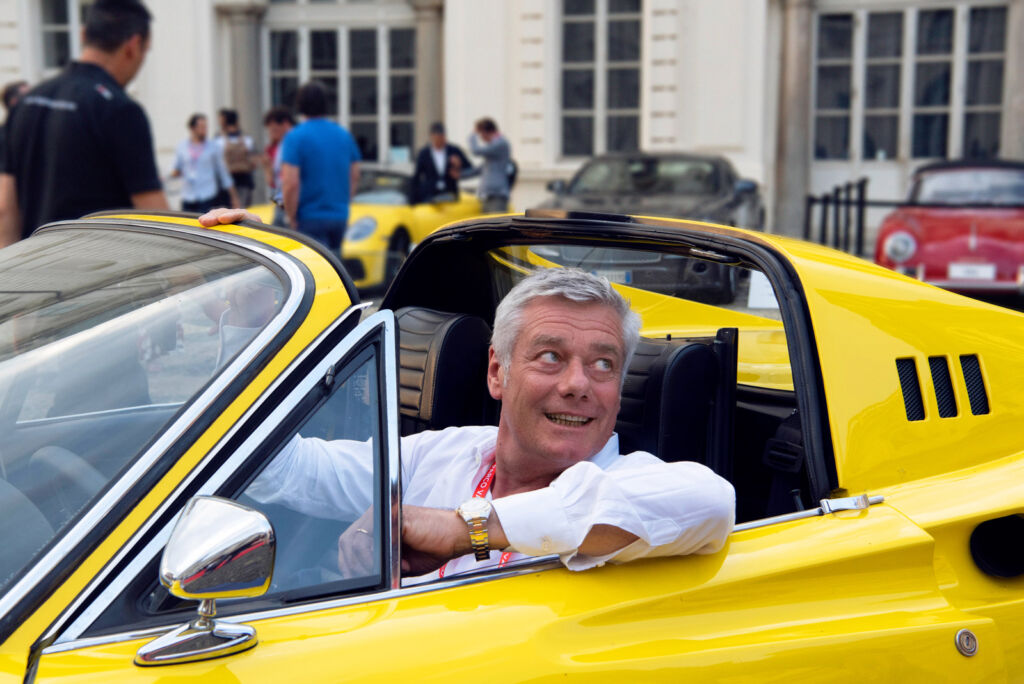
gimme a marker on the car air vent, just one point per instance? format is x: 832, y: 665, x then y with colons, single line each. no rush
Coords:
x: 943, y: 386
x: 911, y: 387
x: 975, y: 384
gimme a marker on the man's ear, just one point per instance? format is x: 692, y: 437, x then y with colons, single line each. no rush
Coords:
x: 495, y: 375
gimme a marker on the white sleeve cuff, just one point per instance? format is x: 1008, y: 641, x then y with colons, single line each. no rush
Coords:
x: 535, y: 523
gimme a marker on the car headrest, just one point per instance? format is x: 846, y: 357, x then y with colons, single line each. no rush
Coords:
x: 442, y: 377
x: 667, y: 398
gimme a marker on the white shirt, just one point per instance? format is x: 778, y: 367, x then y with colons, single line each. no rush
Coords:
x: 439, y: 161
x: 673, y: 508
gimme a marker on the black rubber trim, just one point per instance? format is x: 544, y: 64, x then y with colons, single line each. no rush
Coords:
x: 479, y: 235
x: 53, y: 579
x: 910, y: 384
x: 943, y: 386
x: 975, y: 382
x: 332, y: 258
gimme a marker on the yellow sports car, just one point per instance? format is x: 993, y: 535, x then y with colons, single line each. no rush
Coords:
x: 151, y: 369
x: 384, y: 224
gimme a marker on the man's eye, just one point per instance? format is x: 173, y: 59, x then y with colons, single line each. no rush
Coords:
x: 604, y: 365
x: 549, y: 357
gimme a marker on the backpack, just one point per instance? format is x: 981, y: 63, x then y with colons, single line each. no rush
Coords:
x: 236, y: 156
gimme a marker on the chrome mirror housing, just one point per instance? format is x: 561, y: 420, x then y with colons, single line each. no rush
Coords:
x: 218, y: 549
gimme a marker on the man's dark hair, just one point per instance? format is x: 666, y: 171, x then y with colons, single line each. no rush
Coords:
x: 12, y: 92
x: 230, y: 117
x: 437, y: 127
x: 278, y: 115
x: 486, y: 125
x: 312, y: 99
x: 194, y: 119
x: 109, y: 24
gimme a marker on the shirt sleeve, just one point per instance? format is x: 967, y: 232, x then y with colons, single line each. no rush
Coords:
x: 131, y: 146
x: 673, y: 509
x: 331, y: 480
x: 290, y: 149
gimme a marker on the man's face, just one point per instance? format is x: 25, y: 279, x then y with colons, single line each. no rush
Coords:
x: 561, y: 395
x: 275, y: 131
x: 199, y: 130
x: 437, y: 140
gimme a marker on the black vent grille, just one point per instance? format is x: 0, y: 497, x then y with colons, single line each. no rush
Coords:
x: 911, y: 387
x: 943, y: 386
x: 975, y: 384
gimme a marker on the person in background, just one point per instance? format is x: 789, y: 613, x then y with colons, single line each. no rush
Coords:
x: 319, y: 171
x: 239, y: 155
x: 488, y: 142
x: 199, y: 161
x: 78, y: 143
x: 11, y: 95
x: 277, y: 122
x: 439, y: 166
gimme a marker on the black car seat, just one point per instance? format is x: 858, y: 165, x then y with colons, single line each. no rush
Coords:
x: 442, y: 370
x: 63, y: 482
x: 678, y: 400
x: 26, y: 530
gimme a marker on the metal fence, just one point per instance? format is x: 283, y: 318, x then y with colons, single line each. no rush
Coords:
x: 840, y: 216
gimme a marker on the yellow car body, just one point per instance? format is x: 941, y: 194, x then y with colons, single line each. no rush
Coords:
x: 901, y: 565
x: 384, y: 224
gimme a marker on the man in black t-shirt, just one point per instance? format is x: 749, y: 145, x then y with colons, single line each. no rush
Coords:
x: 78, y: 143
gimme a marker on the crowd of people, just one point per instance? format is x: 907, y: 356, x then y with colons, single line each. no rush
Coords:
x: 77, y: 143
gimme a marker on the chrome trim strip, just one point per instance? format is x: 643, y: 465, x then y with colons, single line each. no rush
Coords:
x: 392, y: 441
x: 149, y: 551
x: 797, y: 515
x: 524, y: 568
x: 143, y: 463
x: 105, y: 412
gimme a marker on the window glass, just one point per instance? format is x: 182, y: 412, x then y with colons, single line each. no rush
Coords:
x: 930, y: 133
x: 401, y: 95
x: 284, y: 89
x: 985, y: 82
x: 623, y: 133
x: 624, y: 40
x: 330, y: 84
x: 971, y: 185
x: 578, y: 41
x: 577, y: 136
x: 883, y: 86
x: 981, y: 135
x: 646, y: 175
x: 623, y: 88
x: 284, y: 50
x: 988, y: 29
x: 931, y: 83
x: 104, y: 337
x: 834, y: 87
x: 880, y: 137
x: 403, y: 48
x: 363, y: 94
x: 578, y: 7
x: 362, y: 49
x: 835, y: 36
x: 328, y: 536
x: 885, y: 34
x: 934, y: 32
x: 56, y: 48
x: 577, y: 88
x: 54, y: 11
x: 365, y: 133
x: 324, y: 49
x: 831, y: 137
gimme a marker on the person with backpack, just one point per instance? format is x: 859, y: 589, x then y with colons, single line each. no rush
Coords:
x: 239, y: 155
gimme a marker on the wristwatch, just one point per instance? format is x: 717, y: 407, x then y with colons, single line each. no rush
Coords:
x: 475, y: 512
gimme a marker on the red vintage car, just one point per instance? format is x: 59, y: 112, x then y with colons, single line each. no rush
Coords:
x: 962, y: 227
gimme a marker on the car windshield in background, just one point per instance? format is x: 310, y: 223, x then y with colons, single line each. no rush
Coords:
x: 646, y: 176
x: 970, y: 186
x: 382, y: 188
x: 677, y: 297
x: 104, y: 336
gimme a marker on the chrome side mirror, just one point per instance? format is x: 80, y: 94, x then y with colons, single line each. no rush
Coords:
x: 218, y: 549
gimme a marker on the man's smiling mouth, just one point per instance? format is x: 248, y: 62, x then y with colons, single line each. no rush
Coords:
x: 567, y: 420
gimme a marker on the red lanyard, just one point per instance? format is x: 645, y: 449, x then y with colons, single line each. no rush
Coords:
x: 480, y: 492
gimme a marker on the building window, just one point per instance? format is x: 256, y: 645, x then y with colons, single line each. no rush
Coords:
x: 600, y: 84
x: 890, y: 80
x: 377, y: 102
x: 60, y: 22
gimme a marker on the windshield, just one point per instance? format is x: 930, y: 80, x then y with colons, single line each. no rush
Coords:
x: 677, y: 297
x: 970, y: 186
x: 646, y: 176
x: 389, y: 189
x: 104, y: 336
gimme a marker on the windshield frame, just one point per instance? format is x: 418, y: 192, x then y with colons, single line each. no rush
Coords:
x: 60, y: 556
x: 572, y: 189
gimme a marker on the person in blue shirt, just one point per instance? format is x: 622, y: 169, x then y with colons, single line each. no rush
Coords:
x: 319, y: 171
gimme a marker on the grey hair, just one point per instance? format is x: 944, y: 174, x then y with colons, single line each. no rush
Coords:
x: 568, y: 283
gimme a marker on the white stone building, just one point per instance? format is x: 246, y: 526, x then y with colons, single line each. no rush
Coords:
x: 800, y: 94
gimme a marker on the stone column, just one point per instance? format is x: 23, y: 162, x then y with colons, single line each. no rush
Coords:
x: 793, y: 156
x: 242, y: 20
x: 1012, y: 138
x: 429, y: 100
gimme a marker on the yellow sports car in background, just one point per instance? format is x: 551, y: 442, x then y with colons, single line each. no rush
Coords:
x: 151, y: 369
x: 384, y: 224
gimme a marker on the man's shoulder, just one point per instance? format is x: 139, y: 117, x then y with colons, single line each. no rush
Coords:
x: 452, y: 442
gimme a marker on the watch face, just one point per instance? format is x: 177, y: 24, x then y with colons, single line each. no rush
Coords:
x: 475, y: 508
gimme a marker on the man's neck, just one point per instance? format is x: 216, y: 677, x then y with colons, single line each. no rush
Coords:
x: 105, y: 60
x: 508, y: 482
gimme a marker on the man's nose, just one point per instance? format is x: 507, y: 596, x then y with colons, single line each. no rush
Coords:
x: 574, y: 380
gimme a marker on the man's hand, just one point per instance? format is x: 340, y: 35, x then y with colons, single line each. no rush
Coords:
x: 355, y: 547
x: 222, y: 215
x: 433, y: 536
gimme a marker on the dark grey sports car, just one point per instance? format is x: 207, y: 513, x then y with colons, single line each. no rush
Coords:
x: 674, y: 185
